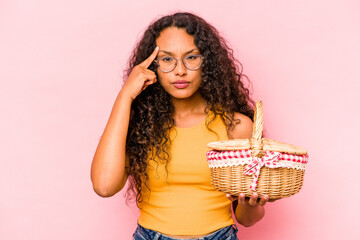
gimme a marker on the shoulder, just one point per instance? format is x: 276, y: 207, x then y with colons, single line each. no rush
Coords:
x: 243, y: 129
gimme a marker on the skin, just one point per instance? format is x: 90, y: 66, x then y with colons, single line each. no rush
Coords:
x: 108, y: 173
x: 188, y: 103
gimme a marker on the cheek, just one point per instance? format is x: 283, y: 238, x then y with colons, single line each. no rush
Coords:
x: 161, y: 78
x: 198, y: 76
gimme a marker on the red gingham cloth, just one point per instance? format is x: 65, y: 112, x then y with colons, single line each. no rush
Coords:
x: 246, y: 153
x: 254, y: 164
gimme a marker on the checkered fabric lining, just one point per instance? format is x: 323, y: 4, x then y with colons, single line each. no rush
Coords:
x: 242, y: 157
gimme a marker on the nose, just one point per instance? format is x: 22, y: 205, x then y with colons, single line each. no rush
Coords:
x: 180, y: 68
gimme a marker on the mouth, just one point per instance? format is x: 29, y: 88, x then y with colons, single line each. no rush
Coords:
x: 181, y: 84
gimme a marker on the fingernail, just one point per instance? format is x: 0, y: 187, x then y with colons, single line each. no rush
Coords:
x: 227, y: 195
x: 157, y: 47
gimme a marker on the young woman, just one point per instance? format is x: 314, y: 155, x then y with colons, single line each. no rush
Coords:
x: 182, y: 90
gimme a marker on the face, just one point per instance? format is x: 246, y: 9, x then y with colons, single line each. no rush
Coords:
x: 180, y: 83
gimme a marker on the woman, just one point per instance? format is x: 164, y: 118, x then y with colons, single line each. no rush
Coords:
x: 182, y: 90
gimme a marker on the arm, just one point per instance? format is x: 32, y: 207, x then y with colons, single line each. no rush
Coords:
x: 247, y: 211
x: 108, y: 174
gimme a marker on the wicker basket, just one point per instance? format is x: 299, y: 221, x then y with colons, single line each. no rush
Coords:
x: 257, y: 165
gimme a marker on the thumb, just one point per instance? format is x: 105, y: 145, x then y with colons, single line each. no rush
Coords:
x: 230, y: 197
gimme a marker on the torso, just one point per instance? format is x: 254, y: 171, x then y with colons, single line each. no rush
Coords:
x: 187, y: 123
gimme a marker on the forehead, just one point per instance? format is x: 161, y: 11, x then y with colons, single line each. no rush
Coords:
x: 175, y: 40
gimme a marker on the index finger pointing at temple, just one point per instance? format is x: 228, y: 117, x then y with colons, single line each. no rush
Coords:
x: 150, y: 59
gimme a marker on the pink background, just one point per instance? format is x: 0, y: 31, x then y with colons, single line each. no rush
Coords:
x: 61, y: 64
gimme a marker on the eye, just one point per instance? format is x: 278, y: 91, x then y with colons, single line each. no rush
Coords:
x: 166, y: 59
x: 192, y: 57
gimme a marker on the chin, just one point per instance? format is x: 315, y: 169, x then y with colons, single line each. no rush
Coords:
x: 182, y: 94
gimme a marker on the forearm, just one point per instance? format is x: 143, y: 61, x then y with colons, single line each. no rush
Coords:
x: 248, y: 215
x: 108, y: 167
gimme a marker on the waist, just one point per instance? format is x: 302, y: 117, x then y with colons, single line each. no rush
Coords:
x: 222, y: 233
x: 185, y: 211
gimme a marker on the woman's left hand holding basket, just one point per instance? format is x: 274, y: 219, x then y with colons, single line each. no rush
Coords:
x: 252, y: 201
x: 248, y: 210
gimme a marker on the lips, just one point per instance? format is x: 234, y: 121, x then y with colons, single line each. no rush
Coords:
x: 181, y: 84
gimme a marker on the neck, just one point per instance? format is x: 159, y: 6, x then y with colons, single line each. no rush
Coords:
x: 194, y: 104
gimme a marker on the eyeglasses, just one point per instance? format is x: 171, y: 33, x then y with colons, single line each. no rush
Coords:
x: 168, y: 64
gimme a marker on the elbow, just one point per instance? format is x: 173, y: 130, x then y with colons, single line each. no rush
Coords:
x: 105, y: 186
x: 106, y: 191
x: 103, y: 192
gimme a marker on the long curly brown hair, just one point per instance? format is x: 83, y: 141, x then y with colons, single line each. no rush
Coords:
x: 152, y: 111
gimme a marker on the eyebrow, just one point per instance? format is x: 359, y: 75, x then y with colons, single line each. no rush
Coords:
x: 167, y: 52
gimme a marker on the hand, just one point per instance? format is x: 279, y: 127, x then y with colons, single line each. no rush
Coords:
x: 251, y: 201
x: 140, y: 77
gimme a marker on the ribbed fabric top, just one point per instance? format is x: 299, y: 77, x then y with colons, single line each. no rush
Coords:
x: 185, y: 202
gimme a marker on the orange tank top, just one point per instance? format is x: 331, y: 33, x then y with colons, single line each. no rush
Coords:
x: 184, y: 202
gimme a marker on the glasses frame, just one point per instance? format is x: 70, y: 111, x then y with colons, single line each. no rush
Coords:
x: 176, y: 62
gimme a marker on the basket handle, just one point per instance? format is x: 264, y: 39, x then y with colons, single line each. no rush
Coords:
x: 256, y: 140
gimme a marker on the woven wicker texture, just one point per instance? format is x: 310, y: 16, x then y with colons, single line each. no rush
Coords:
x: 267, y: 145
x: 275, y: 182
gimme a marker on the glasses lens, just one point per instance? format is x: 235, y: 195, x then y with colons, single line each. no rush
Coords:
x: 193, y: 61
x: 167, y: 64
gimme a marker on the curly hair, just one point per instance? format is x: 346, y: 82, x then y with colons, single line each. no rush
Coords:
x: 152, y: 110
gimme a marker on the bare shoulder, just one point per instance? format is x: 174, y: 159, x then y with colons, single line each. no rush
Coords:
x: 243, y: 129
